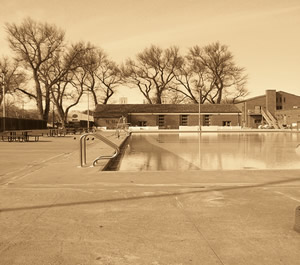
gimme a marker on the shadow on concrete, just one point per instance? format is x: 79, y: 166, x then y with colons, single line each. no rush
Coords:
x: 203, y: 190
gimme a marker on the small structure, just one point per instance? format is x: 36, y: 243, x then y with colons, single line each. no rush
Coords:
x: 167, y: 116
x: 78, y: 121
x: 76, y: 116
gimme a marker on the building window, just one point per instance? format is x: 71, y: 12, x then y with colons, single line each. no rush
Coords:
x: 257, y: 109
x: 257, y: 121
x: 142, y: 123
x: 226, y: 123
x: 278, y: 107
x: 206, y: 120
x: 161, y: 121
x: 184, y: 120
x: 280, y: 99
x: 284, y: 99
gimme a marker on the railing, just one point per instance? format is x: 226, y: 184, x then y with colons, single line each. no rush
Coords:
x: 268, y: 119
x: 254, y: 112
x: 83, y: 149
x: 275, y: 121
x: 122, y: 126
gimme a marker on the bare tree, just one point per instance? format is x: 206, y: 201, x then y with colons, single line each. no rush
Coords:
x: 153, y: 71
x: 193, y: 80
x: 59, y: 76
x: 34, y: 45
x: 65, y: 95
x: 221, y: 75
x: 209, y: 75
x: 11, y: 77
x: 232, y: 97
x: 190, y: 81
x: 110, y: 78
x: 103, y: 75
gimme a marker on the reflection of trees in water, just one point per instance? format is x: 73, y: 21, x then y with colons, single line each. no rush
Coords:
x: 152, y: 157
x: 217, y: 151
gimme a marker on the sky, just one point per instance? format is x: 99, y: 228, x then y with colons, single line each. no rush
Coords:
x: 263, y: 35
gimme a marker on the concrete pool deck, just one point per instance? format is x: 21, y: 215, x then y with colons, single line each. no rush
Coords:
x: 52, y: 212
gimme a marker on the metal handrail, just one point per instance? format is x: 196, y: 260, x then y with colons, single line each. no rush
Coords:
x: 267, y: 118
x: 122, y: 126
x: 105, y: 157
x: 103, y: 139
x: 274, y: 119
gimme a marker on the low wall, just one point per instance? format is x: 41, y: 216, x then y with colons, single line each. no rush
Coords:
x: 188, y: 128
x: 137, y: 128
x: 11, y: 124
x: 210, y: 128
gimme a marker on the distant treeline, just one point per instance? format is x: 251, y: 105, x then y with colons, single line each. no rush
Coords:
x: 48, y: 70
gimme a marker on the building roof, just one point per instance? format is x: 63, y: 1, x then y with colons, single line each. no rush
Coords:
x: 115, y: 110
x: 249, y: 99
x: 283, y: 92
x: 261, y: 96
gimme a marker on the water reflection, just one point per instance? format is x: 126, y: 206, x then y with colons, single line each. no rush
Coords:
x: 221, y: 151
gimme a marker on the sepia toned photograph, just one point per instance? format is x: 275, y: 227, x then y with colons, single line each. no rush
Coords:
x: 155, y: 132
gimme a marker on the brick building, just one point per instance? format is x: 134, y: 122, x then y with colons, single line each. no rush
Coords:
x: 277, y: 109
x: 167, y: 116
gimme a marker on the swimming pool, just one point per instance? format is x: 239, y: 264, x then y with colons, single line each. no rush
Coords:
x: 209, y: 151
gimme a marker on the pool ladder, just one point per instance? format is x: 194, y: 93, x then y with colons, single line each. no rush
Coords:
x: 101, y: 138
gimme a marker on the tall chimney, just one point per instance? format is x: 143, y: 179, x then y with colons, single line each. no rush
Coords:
x: 271, y: 101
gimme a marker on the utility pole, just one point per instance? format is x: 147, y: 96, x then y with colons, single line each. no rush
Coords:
x: 53, y: 115
x: 3, y: 101
x: 199, y: 112
x: 88, y: 112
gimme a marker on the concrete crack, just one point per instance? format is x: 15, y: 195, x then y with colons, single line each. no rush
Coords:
x: 182, y: 209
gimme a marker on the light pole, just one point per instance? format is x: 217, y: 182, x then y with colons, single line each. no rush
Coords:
x: 88, y: 112
x: 199, y: 112
x: 53, y: 123
x: 3, y: 101
x: 199, y: 134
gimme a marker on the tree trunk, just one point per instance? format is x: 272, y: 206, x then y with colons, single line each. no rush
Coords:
x: 61, y: 116
x: 47, y: 105
x: 39, y: 96
x: 94, y: 97
x: 158, y: 98
x: 219, y: 99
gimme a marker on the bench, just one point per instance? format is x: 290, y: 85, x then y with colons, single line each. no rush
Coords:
x: 12, y: 136
x: 26, y: 135
x: 35, y: 135
x: 56, y: 132
x: 20, y: 136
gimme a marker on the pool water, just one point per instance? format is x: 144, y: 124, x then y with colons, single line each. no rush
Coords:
x: 210, y: 151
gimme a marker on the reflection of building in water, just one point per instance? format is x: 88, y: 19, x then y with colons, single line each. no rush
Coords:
x: 215, y: 151
x: 277, y: 109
